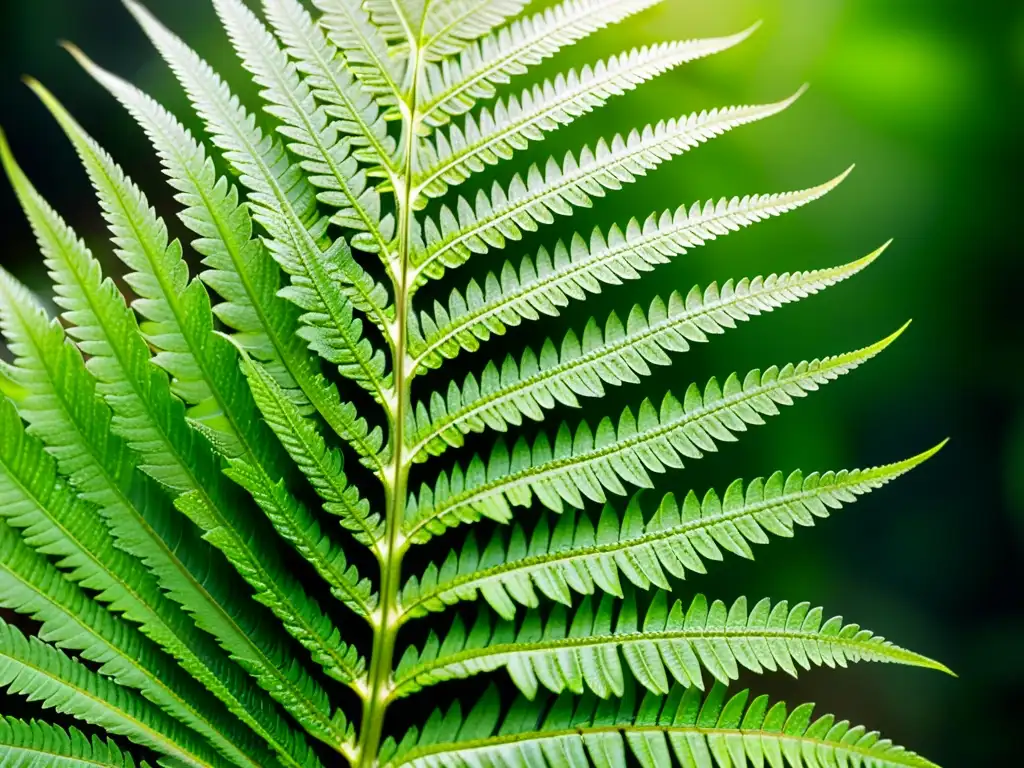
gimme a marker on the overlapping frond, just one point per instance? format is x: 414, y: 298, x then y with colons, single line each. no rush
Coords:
x: 453, y: 86
x: 585, y: 464
x: 36, y: 744
x: 450, y: 157
x: 450, y: 25
x: 581, y: 366
x: 579, y: 555
x: 68, y: 618
x: 56, y: 522
x: 544, y: 284
x: 322, y: 465
x: 153, y: 423
x: 284, y: 202
x: 239, y: 267
x: 356, y: 113
x: 528, y: 203
x: 685, y: 728
x: 41, y: 673
x: 327, y: 160
x: 183, y: 331
x: 672, y: 644
x: 364, y: 48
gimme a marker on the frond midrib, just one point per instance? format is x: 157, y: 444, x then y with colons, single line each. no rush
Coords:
x: 872, y: 645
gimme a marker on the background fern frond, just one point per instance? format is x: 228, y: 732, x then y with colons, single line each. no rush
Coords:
x: 152, y: 422
x: 38, y: 672
x: 283, y: 201
x: 29, y: 744
x: 240, y: 268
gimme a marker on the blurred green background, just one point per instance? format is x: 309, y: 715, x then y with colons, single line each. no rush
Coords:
x: 925, y: 97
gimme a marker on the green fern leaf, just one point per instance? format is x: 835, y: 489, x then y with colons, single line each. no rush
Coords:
x: 41, y: 673
x: 170, y: 463
x: 451, y: 157
x: 685, y: 728
x: 579, y: 555
x: 582, y: 366
x: 674, y: 643
x: 652, y: 440
x: 545, y: 284
x: 34, y: 744
x: 527, y: 204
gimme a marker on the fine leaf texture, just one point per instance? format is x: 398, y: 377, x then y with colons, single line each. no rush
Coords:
x: 582, y: 651
x: 37, y: 745
x: 682, y: 729
x: 217, y: 451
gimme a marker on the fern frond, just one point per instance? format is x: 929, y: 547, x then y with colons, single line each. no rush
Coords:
x: 399, y: 21
x: 181, y: 312
x: 40, y: 673
x: 582, y: 366
x: 364, y: 49
x: 322, y: 465
x: 240, y: 269
x: 544, y: 284
x: 152, y: 422
x: 325, y: 154
x: 582, y: 652
x: 356, y: 113
x: 686, y: 728
x: 35, y: 744
x: 586, y: 464
x: 450, y: 158
x: 282, y: 201
x: 579, y: 555
x: 61, y: 409
x: 453, y: 86
x: 450, y: 25
x: 528, y: 203
x: 68, y: 618
x: 177, y: 318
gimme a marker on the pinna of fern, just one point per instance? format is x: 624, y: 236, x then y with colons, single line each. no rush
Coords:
x: 167, y: 459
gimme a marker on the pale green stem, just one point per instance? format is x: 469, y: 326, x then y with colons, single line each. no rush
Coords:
x: 387, y: 619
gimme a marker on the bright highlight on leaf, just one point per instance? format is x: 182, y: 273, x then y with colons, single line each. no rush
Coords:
x: 209, y: 482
